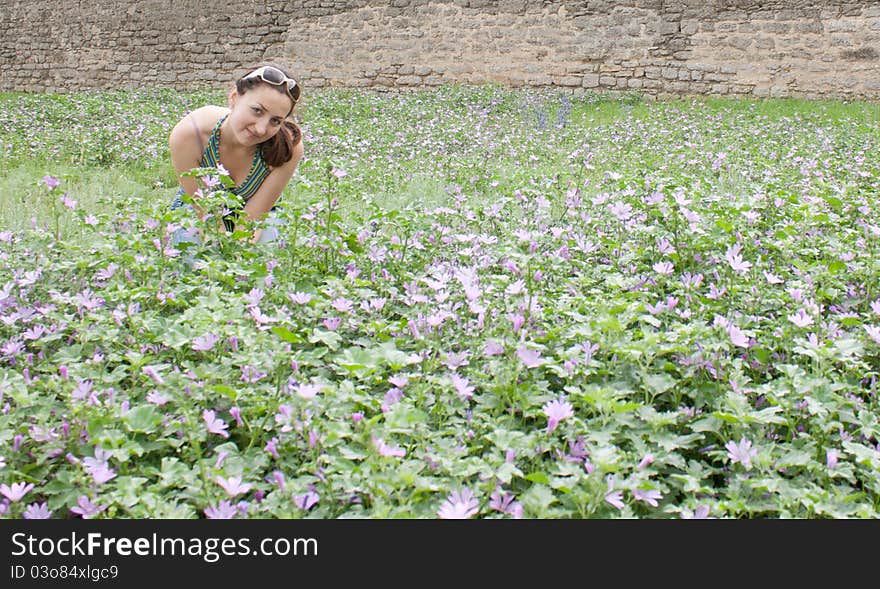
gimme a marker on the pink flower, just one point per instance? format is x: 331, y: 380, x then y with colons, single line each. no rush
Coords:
x: 214, y: 424
x: 462, y: 387
x: 530, y: 358
x: 742, y: 452
x: 86, y: 509
x: 506, y: 504
x: 737, y: 337
x: 459, y: 505
x: 205, y: 342
x: 556, y: 411
x: 831, y: 459
x: 649, y: 496
x: 307, y: 500
x: 51, y: 181
x: 306, y: 390
x: 37, y: 511
x: 663, y: 268
x: 233, y: 485
x: 16, y: 491
x: 801, y: 318
x: 386, y: 450
x: 223, y: 510
x: 615, y: 498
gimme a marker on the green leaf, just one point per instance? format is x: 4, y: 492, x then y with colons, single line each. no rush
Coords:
x: 142, y: 418
x: 286, y: 335
x: 537, y: 477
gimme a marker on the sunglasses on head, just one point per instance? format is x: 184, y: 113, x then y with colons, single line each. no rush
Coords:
x: 274, y: 76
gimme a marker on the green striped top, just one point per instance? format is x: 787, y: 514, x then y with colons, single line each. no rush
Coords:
x: 254, y: 179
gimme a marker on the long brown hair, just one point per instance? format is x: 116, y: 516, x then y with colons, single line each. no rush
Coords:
x: 279, y: 149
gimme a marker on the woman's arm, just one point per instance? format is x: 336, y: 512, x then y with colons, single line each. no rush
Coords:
x: 187, y: 145
x: 270, y: 190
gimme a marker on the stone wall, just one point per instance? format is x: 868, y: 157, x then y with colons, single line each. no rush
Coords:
x: 660, y: 47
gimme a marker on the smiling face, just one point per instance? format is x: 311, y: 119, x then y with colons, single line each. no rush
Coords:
x: 257, y: 114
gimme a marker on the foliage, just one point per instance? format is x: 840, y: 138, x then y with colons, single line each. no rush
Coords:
x: 613, y: 309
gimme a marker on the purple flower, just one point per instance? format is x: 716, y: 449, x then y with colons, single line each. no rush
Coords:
x: 663, y: 268
x: 205, y: 342
x: 151, y: 372
x: 462, y: 387
x: 37, y: 511
x: 214, y: 424
x: 742, y: 452
x: 157, y: 398
x: 86, y: 509
x: 51, y: 181
x: 831, y: 459
x: 737, y: 337
x: 649, y: 496
x: 506, y: 504
x: 459, y: 505
x: 615, y: 498
x: 307, y: 500
x: 223, y: 510
x: 386, y: 450
x: 801, y: 318
x: 701, y: 512
x: 530, y: 358
x: 556, y: 411
x: 492, y: 348
x: 16, y: 491
x: 648, y: 459
x: 233, y: 485
x: 306, y: 390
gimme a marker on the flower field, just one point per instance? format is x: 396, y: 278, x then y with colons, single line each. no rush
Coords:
x: 485, y: 303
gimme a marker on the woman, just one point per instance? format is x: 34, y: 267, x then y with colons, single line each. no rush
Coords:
x: 253, y: 139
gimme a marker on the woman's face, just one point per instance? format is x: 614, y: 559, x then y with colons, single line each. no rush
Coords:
x: 258, y: 113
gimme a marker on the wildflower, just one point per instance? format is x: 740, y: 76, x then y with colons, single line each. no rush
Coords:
x: 737, y: 337
x: 831, y: 459
x: 772, y: 278
x: 663, y: 268
x: 16, y: 491
x: 873, y: 331
x: 459, y: 505
x: 615, y: 498
x: 214, y: 424
x: 300, y: 298
x: 37, y: 511
x: 648, y: 459
x: 531, y: 358
x: 203, y: 343
x: 51, y: 181
x: 307, y: 500
x: 68, y: 202
x: 492, y: 348
x: 152, y: 373
x: 801, y: 318
x: 506, y: 504
x: 742, y: 452
x: 332, y: 323
x: 649, y: 496
x: 157, y: 398
x: 233, y: 485
x: 386, y: 450
x: 556, y: 411
x: 86, y: 509
x: 462, y: 387
x: 223, y: 510
x: 701, y: 512
x: 342, y: 305
x: 306, y: 390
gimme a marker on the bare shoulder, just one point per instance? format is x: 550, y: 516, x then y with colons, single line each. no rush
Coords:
x: 198, y: 122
